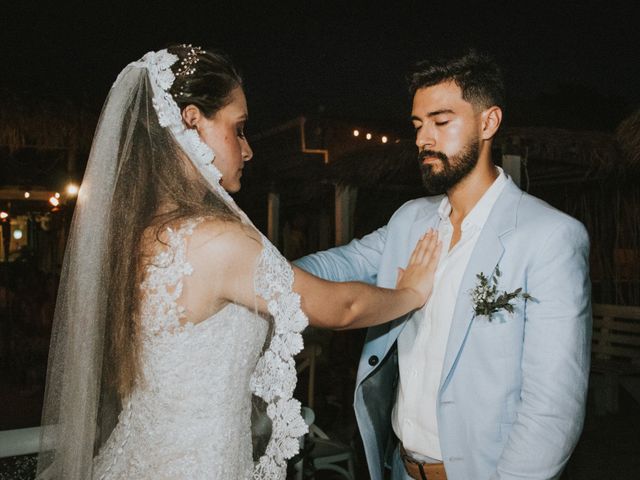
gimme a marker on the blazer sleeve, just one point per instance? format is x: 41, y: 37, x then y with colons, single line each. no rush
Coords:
x: 555, y: 361
x: 357, y: 261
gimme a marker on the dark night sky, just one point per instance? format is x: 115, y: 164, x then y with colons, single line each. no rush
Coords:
x: 568, y: 63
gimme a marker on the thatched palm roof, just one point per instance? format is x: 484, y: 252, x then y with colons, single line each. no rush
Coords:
x: 592, y: 151
x: 43, y: 141
x: 628, y: 138
x: 552, y: 152
x: 378, y: 165
x: 44, y: 123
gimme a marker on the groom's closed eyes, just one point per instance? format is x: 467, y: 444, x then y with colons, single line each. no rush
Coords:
x: 440, y: 118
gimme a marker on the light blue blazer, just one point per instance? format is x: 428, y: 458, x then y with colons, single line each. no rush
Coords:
x: 512, y: 395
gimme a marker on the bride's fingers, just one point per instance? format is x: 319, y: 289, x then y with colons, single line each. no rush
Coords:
x: 426, y: 247
x: 415, y: 255
x: 430, y: 247
x: 433, y: 256
x: 421, y: 247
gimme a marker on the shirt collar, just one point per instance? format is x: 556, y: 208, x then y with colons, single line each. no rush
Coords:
x: 480, y: 212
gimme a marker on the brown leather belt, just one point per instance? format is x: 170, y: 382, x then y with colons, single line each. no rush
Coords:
x: 422, y: 471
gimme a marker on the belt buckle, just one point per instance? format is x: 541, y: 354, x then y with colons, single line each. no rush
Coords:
x: 407, y: 458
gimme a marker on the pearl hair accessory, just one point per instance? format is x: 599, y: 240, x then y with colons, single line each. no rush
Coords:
x: 188, y: 63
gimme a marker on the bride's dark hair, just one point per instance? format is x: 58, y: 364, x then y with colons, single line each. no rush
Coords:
x: 156, y: 186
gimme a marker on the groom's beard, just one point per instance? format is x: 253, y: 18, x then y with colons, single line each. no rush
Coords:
x: 453, y: 169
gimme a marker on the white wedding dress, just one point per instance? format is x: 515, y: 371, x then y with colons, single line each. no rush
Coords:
x: 191, y: 417
x: 205, y: 386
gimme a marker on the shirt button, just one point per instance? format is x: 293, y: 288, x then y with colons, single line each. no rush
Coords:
x: 373, y: 360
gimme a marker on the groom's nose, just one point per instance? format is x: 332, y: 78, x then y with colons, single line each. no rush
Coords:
x: 425, y: 138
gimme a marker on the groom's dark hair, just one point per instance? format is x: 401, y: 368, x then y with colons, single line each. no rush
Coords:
x: 476, y: 73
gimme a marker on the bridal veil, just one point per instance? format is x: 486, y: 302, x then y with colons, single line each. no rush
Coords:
x: 81, y: 407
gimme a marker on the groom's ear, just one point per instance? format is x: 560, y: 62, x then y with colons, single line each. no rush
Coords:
x: 191, y: 115
x: 491, y: 119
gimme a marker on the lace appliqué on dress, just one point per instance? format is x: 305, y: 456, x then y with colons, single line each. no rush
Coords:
x: 274, y: 378
x: 161, y: 314
x: 163, y: 283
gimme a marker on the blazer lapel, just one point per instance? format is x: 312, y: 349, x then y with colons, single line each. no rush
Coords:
x: 418, y: 228
x: 485, y: 257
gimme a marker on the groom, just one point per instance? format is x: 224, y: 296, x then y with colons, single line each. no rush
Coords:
x: 448, y: 391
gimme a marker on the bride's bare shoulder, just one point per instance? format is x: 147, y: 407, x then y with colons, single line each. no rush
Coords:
x: 214, y: 230
x: 224, y: 239
x: 208, y: 234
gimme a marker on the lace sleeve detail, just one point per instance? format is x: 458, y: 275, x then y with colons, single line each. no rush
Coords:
x: 274, y: 378
x: 164, y: 281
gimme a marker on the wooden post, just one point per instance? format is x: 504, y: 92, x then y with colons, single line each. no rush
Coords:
x: 511, y: 164
x: 345, y: 208
x: 324, y: 228
x: 72, y: 161
x: 273, y: 218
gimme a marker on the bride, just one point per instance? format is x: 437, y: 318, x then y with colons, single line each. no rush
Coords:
x: 177, y: 321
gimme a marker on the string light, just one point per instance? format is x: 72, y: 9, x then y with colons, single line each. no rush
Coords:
x: 369, y: 136
x: 72, y: 189
x: 3, y: 215
x: 57, y: 195
x: 27, y: 194
x: 54, y: 201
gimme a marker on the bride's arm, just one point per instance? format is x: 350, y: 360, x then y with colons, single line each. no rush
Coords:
x: 350, y: 305
x: 226, y: 258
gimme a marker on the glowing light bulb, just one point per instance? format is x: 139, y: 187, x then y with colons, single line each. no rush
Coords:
x: 57, y: 195
x: 54, y: 201
x: 384, y: 139
x: 4, y: 215
x: 17, y: 234
x: 27, y: 194
x: 356, y: 133
x: 368, y: 136
x: 72, y: 189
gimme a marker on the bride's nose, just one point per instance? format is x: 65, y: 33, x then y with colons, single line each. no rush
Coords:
x: 247, y: 152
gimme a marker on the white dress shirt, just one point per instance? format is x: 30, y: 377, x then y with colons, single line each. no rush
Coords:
x: 422, y: 343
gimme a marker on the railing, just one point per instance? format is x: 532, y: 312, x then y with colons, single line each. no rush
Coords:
x: 615, y: 360
x: 22, y: 441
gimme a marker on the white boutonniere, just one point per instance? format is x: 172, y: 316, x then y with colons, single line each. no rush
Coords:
x: 487, y: 299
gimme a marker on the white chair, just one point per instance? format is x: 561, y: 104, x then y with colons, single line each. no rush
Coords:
x: 615, y: 355
x: 323, y: 453
x: 309, y: 417
x: 307, y: 360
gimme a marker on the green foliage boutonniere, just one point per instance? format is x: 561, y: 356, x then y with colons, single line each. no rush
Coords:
x: 487, y: 299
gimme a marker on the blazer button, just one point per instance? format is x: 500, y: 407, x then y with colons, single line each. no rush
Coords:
x: 373, y: 360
